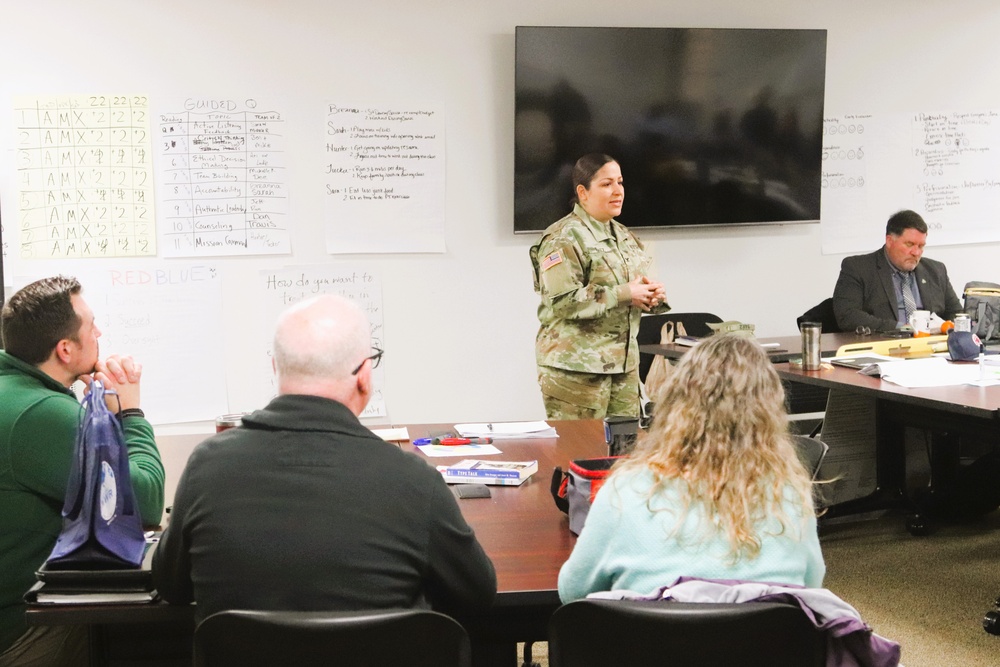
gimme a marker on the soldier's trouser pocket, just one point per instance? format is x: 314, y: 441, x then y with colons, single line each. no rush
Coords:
x: 585, y: 390
x: 573, y: 395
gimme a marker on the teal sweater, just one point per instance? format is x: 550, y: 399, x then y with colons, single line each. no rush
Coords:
x: 625, y: 546
x: 38, y: 424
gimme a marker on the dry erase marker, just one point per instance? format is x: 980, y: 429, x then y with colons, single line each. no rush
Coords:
x: 462, y: 441
x: 452, y: 441
x: 432, y: 437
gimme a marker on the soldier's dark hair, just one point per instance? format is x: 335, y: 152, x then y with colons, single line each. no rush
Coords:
x: 903, y: 220
x: 38, y: 316
x: 585, y: 168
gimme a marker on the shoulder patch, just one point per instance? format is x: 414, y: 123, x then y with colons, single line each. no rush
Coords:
x: 550, y: 260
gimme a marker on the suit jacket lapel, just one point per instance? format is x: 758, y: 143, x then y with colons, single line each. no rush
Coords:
x: 885, y: 277
x: 920, y: 275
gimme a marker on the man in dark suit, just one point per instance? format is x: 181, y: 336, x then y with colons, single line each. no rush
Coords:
x: 873, y: 290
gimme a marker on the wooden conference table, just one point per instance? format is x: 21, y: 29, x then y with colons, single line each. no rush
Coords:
x: 520, y: 528
x: 787, y: 346
x: 947, y: 413
x: 801, y: 398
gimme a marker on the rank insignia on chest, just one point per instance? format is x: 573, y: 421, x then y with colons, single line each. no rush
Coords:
x: 551, y: 260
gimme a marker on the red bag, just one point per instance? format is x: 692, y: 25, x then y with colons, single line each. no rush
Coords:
x: 574, y: 490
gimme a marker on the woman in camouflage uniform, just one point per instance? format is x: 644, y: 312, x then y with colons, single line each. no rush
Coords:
x: 590, y: 271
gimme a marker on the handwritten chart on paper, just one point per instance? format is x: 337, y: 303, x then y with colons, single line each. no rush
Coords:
x: 956, y: 165
x: 385, y: 179
x: 847, y: 150
x: 223, y: 187
x: 84, y: 175
x: 282, y: 288
x: 168, y: 316
x: 944, y: 165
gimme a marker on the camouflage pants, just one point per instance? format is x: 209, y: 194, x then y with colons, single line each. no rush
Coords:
x: 572, y: 395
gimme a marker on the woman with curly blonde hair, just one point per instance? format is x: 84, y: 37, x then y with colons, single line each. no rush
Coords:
x: 714, y: 489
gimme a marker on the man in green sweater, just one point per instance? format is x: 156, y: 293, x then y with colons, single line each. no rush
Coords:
x: 50, y: 341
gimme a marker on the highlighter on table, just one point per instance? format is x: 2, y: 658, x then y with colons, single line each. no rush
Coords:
x: 462, y: 441
x: 452, y: 441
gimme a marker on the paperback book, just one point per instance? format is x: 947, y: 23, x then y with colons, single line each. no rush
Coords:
x: 496, y: 473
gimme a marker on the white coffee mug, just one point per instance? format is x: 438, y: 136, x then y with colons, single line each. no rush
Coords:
x: 920, y: 320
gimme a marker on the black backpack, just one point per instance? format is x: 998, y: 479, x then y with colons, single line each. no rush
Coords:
x: 982, y: 304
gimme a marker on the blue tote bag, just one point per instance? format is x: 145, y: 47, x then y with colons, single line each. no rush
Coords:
x: 101, y: 524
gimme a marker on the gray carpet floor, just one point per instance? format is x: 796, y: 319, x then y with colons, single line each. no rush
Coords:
x: 927, y: 593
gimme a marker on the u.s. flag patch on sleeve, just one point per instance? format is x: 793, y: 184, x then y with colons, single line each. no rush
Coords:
x: 551, y: 260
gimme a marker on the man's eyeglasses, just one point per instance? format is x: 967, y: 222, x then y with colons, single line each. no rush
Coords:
x: 862, y: 330
x: 375, y: 359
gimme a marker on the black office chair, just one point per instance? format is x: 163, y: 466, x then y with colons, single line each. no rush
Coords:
x: 811, y: 452
x: 991, y: 621
x: 696, y: 324
x: 416, y: 638
x: 604, y: 633
x: 822, y: 313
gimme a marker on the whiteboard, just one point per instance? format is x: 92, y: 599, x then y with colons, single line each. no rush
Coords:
x: 944, y: 165
x: 459, y: 324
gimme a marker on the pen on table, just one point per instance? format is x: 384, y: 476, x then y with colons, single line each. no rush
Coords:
x: 462, y: 441
x: 452, y: 441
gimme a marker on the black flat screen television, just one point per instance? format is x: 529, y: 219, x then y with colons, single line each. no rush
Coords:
x: 711, y: 126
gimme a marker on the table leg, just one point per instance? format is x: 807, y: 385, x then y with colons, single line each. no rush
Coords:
x: 890, y: 471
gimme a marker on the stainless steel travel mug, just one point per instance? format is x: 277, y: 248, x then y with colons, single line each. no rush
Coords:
x: 810, y: 345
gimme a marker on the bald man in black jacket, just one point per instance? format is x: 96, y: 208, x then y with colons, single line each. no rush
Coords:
x: 303, y: 508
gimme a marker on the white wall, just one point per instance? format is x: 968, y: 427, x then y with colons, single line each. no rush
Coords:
x: 459, y: 327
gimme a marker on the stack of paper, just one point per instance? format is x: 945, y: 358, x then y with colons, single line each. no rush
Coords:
x: 400, y: 434
x: 457, y: 450
x: 511, y: 430
x: 936, y: 372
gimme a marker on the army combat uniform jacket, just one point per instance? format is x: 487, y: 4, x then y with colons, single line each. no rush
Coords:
x: 582, y: 268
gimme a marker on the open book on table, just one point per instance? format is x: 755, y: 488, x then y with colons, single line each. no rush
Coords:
x: 866, y: 363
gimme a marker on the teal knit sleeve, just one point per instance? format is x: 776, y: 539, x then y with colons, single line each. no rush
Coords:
x: 584, y: 572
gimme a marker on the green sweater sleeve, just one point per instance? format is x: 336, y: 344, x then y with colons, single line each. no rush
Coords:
x: 42, y: 442
x: 145, y: 468
x: 45, y: 440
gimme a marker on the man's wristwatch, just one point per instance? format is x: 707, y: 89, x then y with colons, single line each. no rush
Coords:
x: 131, y: 412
